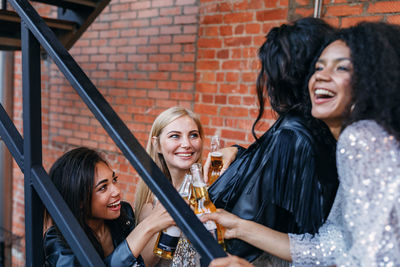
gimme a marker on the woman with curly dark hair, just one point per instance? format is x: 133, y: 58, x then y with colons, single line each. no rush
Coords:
x: 355, y: 90
x: 287, y: 178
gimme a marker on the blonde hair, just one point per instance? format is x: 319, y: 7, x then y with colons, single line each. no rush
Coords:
x: 143, y: 194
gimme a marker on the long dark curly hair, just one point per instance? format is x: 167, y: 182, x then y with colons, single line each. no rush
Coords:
x: 285, y: 58
x: 375, y: 54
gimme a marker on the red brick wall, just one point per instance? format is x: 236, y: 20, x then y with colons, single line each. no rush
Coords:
x: 148, y: 55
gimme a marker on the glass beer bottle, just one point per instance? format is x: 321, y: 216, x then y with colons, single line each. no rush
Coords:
x: 216, y: 161
x: 167, y: 239
x: 204, y: 204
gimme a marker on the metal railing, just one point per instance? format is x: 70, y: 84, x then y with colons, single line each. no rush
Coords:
x: 40, y: 192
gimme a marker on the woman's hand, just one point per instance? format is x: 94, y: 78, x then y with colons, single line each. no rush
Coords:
x: 260, y: 236
x: 141, y: 240
x: 231, y: 261
x: 228, y: 156
x: 229, y: 221
x: 159, y: 219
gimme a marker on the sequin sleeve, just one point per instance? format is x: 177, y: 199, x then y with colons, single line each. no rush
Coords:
x: 369, y: 170
x: 323, y: 248
x: 363, y: 227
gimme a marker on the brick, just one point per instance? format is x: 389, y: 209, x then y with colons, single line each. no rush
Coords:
x: 147, y: 13
x: 207, y: 65
x: 350, y: 21
x: 168, y: 67
x: 140, y: 5
x: 170, y: 11
x: 304, y: 12
x: 189, y: 19
x: 344, y: 10
x: 239, y: 29
x: 226, y: 30
x: 162, y: 3
x: 182, y: 96
x: 302, y: 2
x: 170, y: 30
x: 275, y: 14
x: 212, y: 19
x: 229, y: 134
x: 239, y: 17
x: 394, y: 19
x: 159, y: 58
x: 253, y: 28
x: 185, y: 2
x: 206, y: 88
x: 149, y: 31
x: 173, y: 48
x: 223, y: 54
x: 185, y: 38
x: 183, y: 58
x: 148, y: 49
x: 167, y: 85
x: 207, y: 98
x: 178, y: 76
x: 161, y: 21
x: 270, y: 3
x: 384, y: 7
x: 209, y: 42
x: 206, y: 109
x: 211, y: 31
x: 160, y: 40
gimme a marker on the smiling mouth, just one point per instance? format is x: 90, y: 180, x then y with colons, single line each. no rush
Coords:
x: 114, y: 205
x: 184, y: 154
x: 323, y: 94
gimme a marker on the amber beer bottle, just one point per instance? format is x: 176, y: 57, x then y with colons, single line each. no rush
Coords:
x: 216, y: 161
x: 204, y: 204
x: 167, y: 239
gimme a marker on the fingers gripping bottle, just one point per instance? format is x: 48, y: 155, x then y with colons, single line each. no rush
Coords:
x: 203, y: 203
x: 167, y: 239
x: 216, y: 161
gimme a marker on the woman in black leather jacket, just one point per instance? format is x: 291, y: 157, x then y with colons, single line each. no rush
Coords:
x: 90, y: 189
x: 286, y: 179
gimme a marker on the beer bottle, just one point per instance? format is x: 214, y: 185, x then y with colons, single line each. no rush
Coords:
x: 167, y: 239
x: 216, y: 161
x: 204, y: 204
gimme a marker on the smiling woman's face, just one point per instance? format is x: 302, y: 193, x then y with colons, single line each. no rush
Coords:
x: 180, y: 144
x: 329, y: 86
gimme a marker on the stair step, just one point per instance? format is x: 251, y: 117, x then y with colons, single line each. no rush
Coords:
x: 71, y: 4
x: 10, y: 30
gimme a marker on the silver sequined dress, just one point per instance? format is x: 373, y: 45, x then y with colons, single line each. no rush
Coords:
x: 363, y: 227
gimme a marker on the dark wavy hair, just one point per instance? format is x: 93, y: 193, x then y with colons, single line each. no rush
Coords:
x: 73, y: 175
x: 375, y: 54
x: 285, y: 58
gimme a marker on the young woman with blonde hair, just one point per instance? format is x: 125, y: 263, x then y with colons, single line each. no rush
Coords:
x: 175, y: 143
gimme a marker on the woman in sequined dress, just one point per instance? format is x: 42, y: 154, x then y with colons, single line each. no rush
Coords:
x: 355, y: 87
x: 175, y: 143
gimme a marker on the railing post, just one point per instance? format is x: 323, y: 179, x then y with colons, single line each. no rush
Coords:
x: 32, y: 125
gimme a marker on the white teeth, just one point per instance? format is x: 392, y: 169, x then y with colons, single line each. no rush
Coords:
x: 324, y: 92
x: 113, y: 205
x: 185, y: 155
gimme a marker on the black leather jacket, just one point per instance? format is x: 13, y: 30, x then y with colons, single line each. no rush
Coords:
x: 58, y: 253
x: 287, y: 180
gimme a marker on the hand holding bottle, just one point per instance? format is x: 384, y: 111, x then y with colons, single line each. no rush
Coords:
x: 228, y: 156
x: 229, y: 221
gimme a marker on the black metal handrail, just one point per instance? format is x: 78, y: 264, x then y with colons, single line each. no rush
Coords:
x: 39, y: 190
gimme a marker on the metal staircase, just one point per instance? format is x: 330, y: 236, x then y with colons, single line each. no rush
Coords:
x: 73, y: 18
